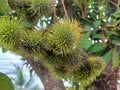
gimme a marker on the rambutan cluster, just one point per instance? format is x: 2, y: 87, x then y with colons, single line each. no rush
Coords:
x: 58, y: 48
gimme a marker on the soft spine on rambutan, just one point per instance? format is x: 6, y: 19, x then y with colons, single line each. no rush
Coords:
x: 33, y: 10
x: 10, y: 32
x: 91, y: 68
x: 63, y: 37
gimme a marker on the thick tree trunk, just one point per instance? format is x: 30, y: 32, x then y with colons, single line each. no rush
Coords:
x: 49, y: 82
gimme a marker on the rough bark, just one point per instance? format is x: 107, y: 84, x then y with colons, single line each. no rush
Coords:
x: 49, y: 82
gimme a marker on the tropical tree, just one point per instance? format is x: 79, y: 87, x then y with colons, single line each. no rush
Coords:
x: 75, y: 40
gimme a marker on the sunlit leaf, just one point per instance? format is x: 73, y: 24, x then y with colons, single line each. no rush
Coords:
x: 97, y: 24
x: 85, y: 43
x: 115, y: 59
x: 4, y: 50
x: 87, y: 28
x: 96, y: 47
x: 117, y: 13
x: 5, y: 82
x: 4, y: 7
x: 107, y: 57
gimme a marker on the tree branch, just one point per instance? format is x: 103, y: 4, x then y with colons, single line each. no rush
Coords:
x: 48, y: 80
x: 69, y: 8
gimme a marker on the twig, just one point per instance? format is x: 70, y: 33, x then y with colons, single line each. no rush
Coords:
x: 113, y: 3
x: 55, y: 16
x: 77, y: 3
x: 83, y: 9
x: 66, y: 14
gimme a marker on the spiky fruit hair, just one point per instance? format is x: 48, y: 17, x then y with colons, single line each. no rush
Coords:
x: 34, y: 10
x: 32, y: 42
x: 97, y: 64
x: 42, y: 7
x: 10, y: 31
x: 58, y: 70
x: 90, y: 69
x: 61, y: 65
x: 63, y: 37
x: 83, y: 74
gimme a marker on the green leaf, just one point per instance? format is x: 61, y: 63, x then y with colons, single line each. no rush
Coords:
x: 5, y: 82
x: 20, y: 78
x: 115, y: 59
x: 4, y: 50
x: 107, y: 57
x: 98, y: 36
x: 4, y: 7
x: 96, y: 47
x: 117, y: 13
x: 85, y: 43
x: 97, y: 24
x: 115, y: 39
x: 116, y: 42
x: 31, y: 83
x: 87, y: 27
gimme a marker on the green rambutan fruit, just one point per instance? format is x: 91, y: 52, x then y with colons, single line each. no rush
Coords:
x: 59, y: 71
x: 10, y: 32
x: 89, y: 70
x: 33, y: 10
x: 32, y: 42
x: 63, y: 37
x: 42, y: 7
x: 28, y: 20
x: 56, y: 68
x: 61, y: 65
x: 97, y: 64
x: 71, y: 60
x: 83, y: 74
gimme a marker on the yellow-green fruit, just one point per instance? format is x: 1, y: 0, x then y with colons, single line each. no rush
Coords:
x: 10, y: 31
x: 71, y: 60
x: 61, y: 65
x: 31, y: 42
x: 90, y: 69
x: 29, y: 21
x: 56, y: 67
x: 97, y: 64
x: 63, y: 37
x: 59, y: 71
x: 42, y: 7
x: 83, y: 74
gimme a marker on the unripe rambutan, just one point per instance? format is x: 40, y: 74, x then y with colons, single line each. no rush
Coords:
x: 10, y: 31
x: 61, y: 65
x: 31, y: 42
x: 33, y: 10
x: 59, y: 71
x: 97, y: 64
x: 42, y: 7
x: 83, y: 74
x: 63, y: 37
x: 90, y: 69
